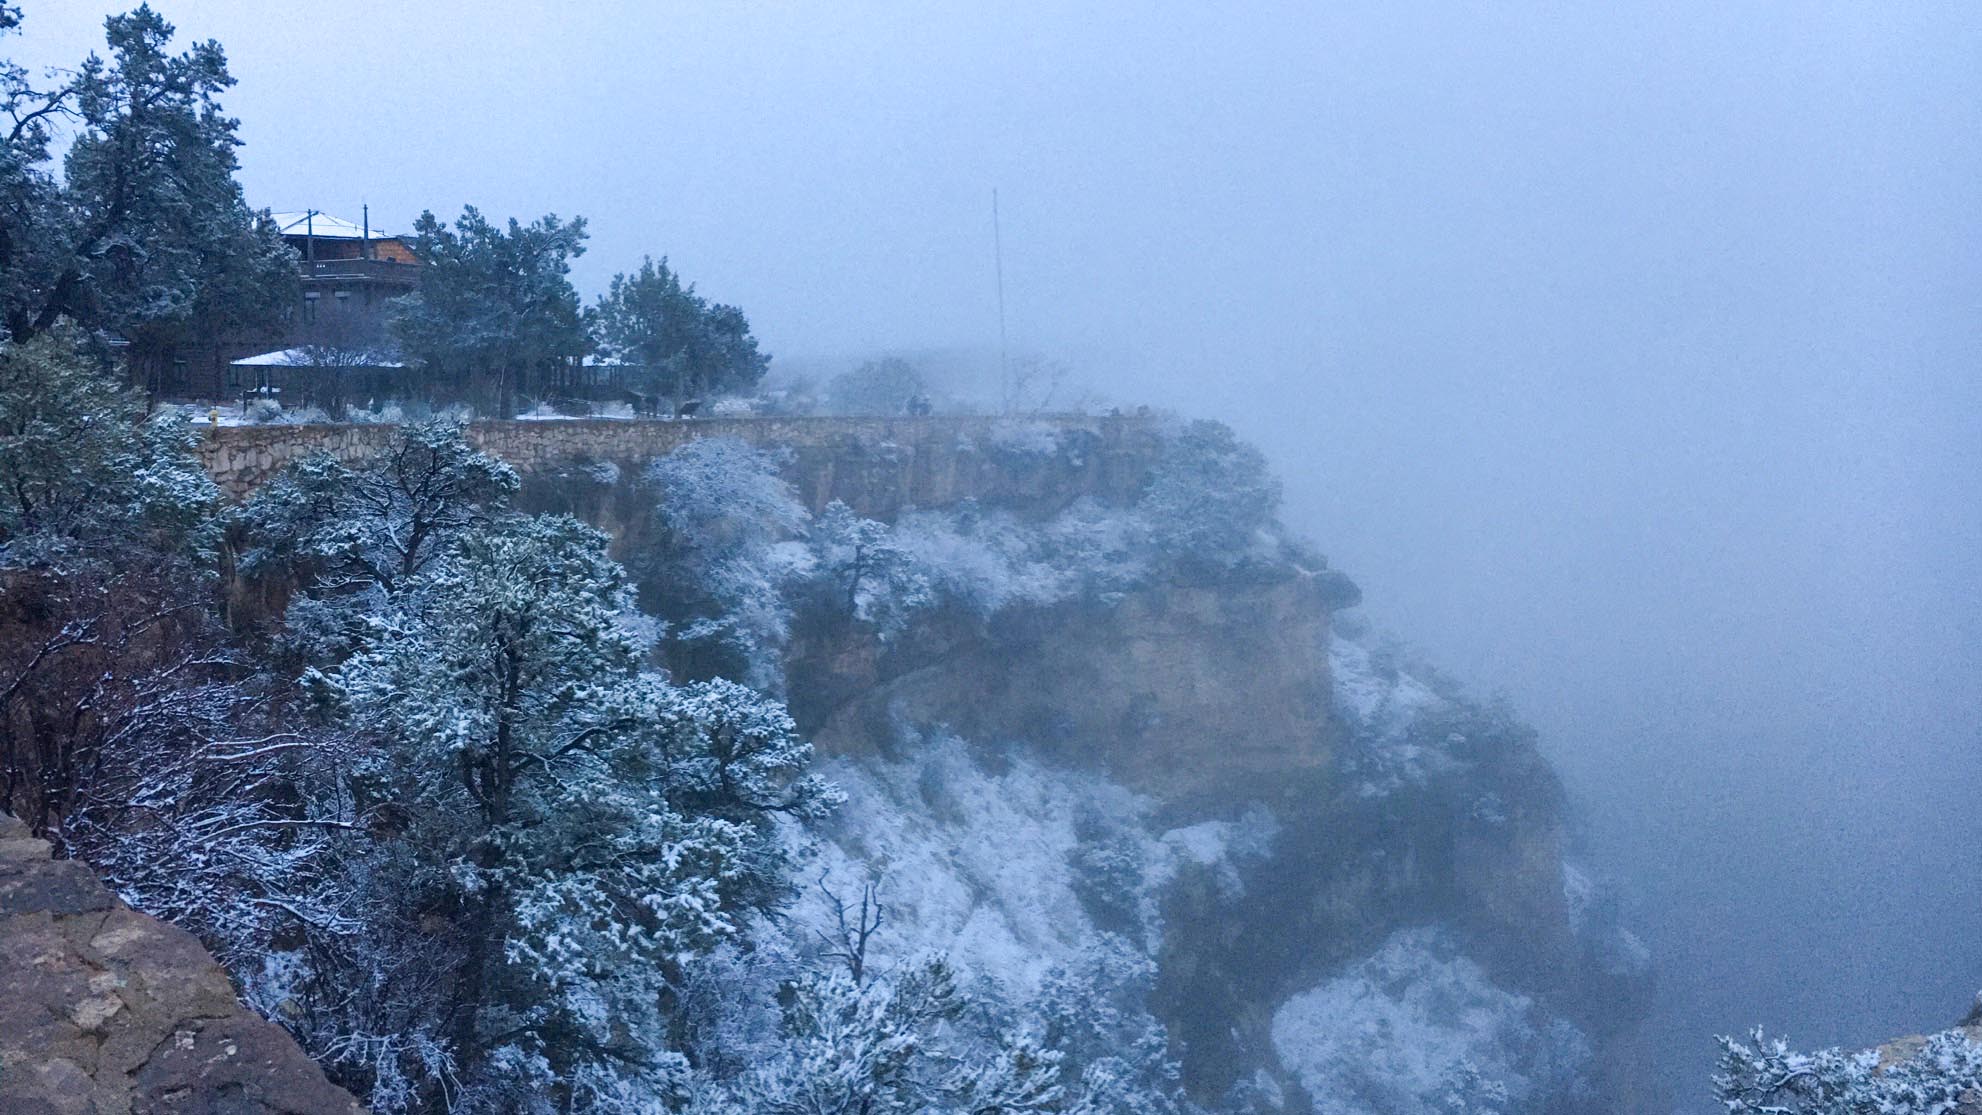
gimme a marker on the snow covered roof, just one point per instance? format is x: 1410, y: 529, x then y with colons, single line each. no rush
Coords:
x: 323, y: 226
x: 301, y: 358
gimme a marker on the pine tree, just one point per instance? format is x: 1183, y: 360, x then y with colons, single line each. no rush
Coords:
x: 496, y: 314
x: 692, y: 348
x: 154, y: 239
x: 581, y: 828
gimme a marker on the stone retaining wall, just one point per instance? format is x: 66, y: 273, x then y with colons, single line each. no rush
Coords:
x: 877, y: 465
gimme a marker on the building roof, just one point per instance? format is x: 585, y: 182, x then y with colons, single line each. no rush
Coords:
x: 303, y: 358
x: 323, y: 226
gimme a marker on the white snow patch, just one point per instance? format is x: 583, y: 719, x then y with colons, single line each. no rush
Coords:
x: 970, y: 863
x: 1218, y: 845
x: 1388, y: 1035
x: 1381, y: 704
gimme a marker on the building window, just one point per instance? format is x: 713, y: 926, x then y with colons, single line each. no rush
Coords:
x: 310, y: 307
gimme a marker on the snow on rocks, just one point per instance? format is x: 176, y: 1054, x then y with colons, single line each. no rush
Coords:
x: 1399, y: 1031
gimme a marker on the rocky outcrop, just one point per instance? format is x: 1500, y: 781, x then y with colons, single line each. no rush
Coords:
x: 1185, y: 692
x: 105, y: 1011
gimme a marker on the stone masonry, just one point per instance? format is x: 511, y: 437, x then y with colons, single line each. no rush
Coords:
x: 876, y: 465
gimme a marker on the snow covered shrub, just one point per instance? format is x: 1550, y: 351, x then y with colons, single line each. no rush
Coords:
x: 263, y: 412
x: 893, y: 1044
x: 727, y: 554
x: 859, y: 572
x: 1211, y: 498
x: 91, y: 482
x: 1094, y: 1010
x: 1398, y: 1032
x: 985, y: 562
x: 1110, y: 865
x: 575, y: 831
x: 1763, y: 1076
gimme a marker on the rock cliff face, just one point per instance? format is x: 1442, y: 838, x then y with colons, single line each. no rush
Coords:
x: 104, y: 1010
x: 1184, y: 692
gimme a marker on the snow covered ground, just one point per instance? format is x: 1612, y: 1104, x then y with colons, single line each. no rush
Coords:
x: 1417, y: 1028
x: 989, y: 866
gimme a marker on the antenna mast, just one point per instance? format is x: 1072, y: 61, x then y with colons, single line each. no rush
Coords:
x: 998, y: 261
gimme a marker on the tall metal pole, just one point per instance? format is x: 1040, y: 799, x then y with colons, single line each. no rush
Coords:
x: 998, y: 260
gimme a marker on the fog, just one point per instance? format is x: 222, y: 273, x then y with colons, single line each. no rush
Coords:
x: 1626, y: 356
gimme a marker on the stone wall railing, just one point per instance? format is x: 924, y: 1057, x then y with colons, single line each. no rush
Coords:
x: 877, y: 465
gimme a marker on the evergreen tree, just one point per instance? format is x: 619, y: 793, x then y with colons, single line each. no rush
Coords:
x: 884, y: 386
x: 495, y: 314
x: 85, y: 479
x: 581, y: 829
x: 149, y: 234
x: 32, y: 229
x: 862, y: 573
x: 693, y: 348
x: 726, y: 554
x: 1210, y: 498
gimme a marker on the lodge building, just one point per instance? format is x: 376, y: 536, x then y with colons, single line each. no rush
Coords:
x: 348, y: 273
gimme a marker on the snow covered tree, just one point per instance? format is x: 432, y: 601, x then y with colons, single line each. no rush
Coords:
x: 86, y: 476
x: 155, y: 240
x: 380, y: 522
x: 883, y: 386
x: 496, y: 313
x: 1209, y: 499
x: 32, y: 221
x: 1095, y: 1011
x: 131, y: 733
x: 726, y: 554
x: 889, y: 1047
x: 575, y: 829
x: 692, y: 348
x: 862, y: 574
x: 1764, y: 1076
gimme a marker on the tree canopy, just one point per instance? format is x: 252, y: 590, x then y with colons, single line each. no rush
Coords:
x: 691, y: 346
x: 146, y: 233
x: 495, y: 314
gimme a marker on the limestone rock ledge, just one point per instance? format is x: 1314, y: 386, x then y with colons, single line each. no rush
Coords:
x: 105, y: 1011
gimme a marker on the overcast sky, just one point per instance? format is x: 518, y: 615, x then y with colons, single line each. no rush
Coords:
x: 1626, y: 354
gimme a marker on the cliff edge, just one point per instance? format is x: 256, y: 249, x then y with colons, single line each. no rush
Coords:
x: 105, y: 1010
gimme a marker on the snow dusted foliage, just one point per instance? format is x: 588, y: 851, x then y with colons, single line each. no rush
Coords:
x: 985, y: 561
x: 1938, y: 1075
x: 729, y: 551
x: 1382, y: 705
x: 90, y: 480
x: 978, y: 865
x: 1211, y: 500
x: 573, y: 831
x: 1039, y: 885
x: 1405, y: 1030
x: 351, y: 528
x: 863, y: 573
